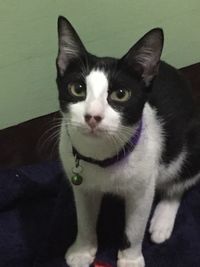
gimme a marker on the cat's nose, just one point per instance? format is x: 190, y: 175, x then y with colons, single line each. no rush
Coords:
x: 93, y: 121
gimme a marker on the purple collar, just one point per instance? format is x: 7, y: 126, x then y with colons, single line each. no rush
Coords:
x: 124, y: 152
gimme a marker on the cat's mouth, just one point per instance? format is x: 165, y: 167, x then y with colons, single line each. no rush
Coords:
x: 96, y: 132
x: 93, y: 132
x: 88, y: 132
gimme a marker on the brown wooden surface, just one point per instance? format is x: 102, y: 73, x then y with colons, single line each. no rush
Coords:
x: 36, y: 140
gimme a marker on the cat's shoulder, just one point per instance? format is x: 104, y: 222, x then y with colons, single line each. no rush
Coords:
x: 171, y: 91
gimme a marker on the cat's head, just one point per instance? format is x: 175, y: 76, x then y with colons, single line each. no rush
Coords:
x: 102, y: 96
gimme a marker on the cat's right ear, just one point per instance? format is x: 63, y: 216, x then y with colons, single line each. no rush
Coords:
x: 70, y: 45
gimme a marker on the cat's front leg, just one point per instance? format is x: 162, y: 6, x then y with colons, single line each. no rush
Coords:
x: 162, y: 222
x: 138, y: 206
x: 83, y: 250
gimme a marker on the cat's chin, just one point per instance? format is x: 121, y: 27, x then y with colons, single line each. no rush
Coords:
x: 93, y: 133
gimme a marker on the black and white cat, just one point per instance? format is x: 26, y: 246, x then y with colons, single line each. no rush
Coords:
x: 129, y: 124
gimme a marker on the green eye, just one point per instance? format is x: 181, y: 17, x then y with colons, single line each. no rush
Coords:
x: 121, y: 95
x: 77, y: 90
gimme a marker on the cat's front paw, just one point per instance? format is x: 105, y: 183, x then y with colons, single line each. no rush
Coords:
x: 162, y: 222
x: 126, y: 261
x: 80, y: 256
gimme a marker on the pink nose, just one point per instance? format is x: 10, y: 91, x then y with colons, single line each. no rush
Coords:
x: 92, y: 121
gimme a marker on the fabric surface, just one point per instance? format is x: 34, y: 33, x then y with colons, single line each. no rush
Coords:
x: 38, y: 223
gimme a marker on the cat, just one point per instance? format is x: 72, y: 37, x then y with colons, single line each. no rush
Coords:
x: 128, y: 128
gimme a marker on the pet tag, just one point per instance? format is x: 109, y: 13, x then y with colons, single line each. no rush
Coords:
x: 76, y: 178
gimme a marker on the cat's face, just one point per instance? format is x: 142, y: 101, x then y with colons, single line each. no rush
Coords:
x: 104, y: 96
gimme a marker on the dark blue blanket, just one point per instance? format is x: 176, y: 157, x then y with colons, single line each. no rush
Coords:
x: 38, y: 223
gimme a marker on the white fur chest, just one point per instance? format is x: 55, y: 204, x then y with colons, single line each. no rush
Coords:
x: 134, y: 171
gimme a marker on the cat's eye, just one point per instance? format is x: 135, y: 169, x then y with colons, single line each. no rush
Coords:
x: 77, y: 89
x: 120, y: 95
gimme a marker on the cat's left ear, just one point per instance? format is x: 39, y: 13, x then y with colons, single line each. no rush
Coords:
x: 70, y: 46
x: 144, y: 56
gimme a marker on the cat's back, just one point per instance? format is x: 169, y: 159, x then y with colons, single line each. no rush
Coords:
x: 172, y: 98
x: 171, y: 92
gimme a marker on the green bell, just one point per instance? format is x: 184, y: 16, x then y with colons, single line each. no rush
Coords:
x: 76, y: 179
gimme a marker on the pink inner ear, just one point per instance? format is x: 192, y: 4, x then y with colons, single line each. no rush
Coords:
x: 148, y: 58
x: 70, y: 45
x: 144, y: 56
x: 147, y: 63
x: 146, y: 70
x: 61, y: 63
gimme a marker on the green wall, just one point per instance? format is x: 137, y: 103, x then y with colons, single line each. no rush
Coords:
x: 28, y: 43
